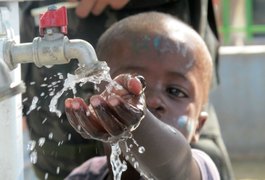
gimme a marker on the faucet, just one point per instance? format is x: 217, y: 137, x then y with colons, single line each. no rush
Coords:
x: 52, y: 47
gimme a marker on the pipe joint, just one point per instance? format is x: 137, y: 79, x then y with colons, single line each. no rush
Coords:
x: 49, y: 52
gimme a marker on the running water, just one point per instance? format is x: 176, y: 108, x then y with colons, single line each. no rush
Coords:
x: 117, y: 166
x: 96, y: 74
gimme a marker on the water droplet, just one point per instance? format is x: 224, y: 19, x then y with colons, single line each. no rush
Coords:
x: 41, y: 141
x: 141, y: 149
x: 87, y: 113
x: 50, y: 135
x: 33, y: 104
x: 44, y: 121
x: 46, y: 176
x: 61, y: 76
x: 31, y: 145
x: 58, y: 170
x: 25, y: 99
x: 33, y: 157
x: 79, y: 127
x: 136, y: 165
x: 43, y: 85
x: 69, y: 136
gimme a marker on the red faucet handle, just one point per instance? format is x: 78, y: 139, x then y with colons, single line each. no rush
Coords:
x: 53, y: 18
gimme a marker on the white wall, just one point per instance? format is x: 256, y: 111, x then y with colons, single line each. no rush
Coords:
x: 240, y: 100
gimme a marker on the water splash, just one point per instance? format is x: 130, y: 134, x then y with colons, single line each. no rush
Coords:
x: 31, y: 145
x: 46, y: 176
x: 41, y: 141
x: 58, y: 170
x: 33, y: 104
x: 96, y: 74
x: 141, y: 149
x: 33, y: 157
x: 118, y: 167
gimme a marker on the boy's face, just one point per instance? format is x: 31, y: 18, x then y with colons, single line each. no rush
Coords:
x: 173, y: 88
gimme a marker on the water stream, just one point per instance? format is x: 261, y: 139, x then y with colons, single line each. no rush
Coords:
x: 96, y: 74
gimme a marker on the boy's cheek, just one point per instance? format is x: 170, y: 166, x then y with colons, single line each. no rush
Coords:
x: 185, y: 125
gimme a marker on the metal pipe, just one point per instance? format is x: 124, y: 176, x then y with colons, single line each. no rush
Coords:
x: 11, y: 139
x: 50, y: 50
x: 81, y: 50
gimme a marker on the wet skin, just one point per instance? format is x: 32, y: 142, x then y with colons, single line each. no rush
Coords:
x: 108, y: 114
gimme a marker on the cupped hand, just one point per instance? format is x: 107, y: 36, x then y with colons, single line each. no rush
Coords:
x: 112, y: 114
x: 96, y: 7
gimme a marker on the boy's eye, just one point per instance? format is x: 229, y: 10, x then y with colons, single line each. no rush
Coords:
x: 176, y: 92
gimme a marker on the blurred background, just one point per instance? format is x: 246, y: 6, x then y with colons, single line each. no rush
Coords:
x: 239, y: 99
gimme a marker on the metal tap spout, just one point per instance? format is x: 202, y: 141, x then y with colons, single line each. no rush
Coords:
x: 52, y: 47
x: 49, y: 50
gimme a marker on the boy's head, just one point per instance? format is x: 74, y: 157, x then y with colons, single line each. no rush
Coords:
x: 173, y: 60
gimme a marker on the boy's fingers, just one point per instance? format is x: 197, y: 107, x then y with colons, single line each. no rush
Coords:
x: 92, y: 129
x: 136, y: 85
x: 125, y: 84
x: 88, y: 122
x: 133, y: 83
x: 126, y: 113
x: 70, y: 114
x: 106, y: 117
x: 73, y: 119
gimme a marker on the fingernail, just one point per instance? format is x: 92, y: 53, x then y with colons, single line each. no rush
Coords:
x: 113, y: 101
x: 68, y: 103
x: 95, y: 102
x: 75, y: 104
x: 142, y: 80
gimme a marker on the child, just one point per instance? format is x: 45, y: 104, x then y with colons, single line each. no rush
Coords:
x: 162, y: 109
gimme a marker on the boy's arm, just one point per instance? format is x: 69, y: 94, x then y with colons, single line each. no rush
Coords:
x: 167, y: 153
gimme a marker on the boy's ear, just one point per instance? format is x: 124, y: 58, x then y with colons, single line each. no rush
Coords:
x: 201, y: 120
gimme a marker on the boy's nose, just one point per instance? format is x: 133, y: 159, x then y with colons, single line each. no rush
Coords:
x: 155, y: 104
